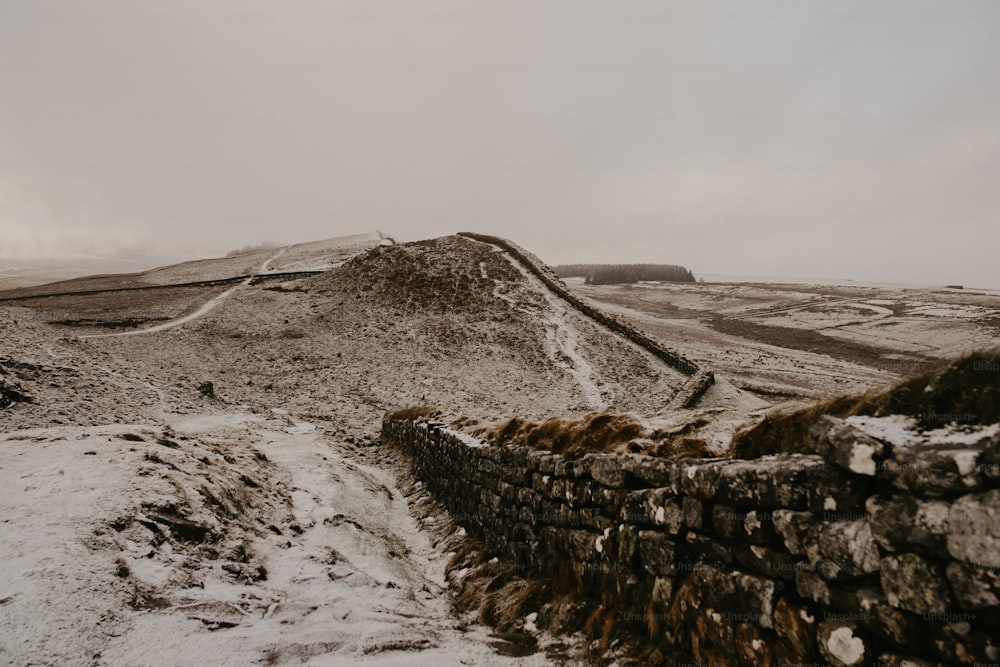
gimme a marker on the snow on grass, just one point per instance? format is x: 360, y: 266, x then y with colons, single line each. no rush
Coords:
x: 561, y: 336
x: 901, y: 430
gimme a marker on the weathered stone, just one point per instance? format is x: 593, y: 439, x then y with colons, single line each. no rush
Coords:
x: 897, y: 660
x: 628, y: 540
x: 698, y: 550
x: 726, y: 521
x: 902, y: 522
x: 753, y: 645
x: 663, y: 592
x: 657, y: 553
x: 843, y: 445
x: 934, y: 469
x: 959, y: 641
x: 974, y: 529
x: 842, y: 549
x: 989, y: 460
x: 840, y: 644
x: 648, y: 471
x: 582, y: 544
x: 758, y: 528
x: 975, y: 586
x: 608, y: 470
x: 758, y: 594
x: 811, y: 586
x: 639, y: 507
x: 694, y: 513
x: 796, y: 623
x: 793, y: 527
x: 765, y: 560
x: 913, y: 584
x: 793, y: 481
x: 547, y: 464
x: 700, y: 477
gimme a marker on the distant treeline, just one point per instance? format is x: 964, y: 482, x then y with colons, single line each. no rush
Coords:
x: 610, y: 274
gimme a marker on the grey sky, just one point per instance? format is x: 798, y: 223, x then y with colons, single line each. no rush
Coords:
x: 840, y: 139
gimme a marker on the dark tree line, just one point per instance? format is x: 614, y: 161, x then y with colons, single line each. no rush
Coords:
x: 611, y: 274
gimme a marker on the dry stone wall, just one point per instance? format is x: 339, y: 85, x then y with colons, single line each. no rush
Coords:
x: 699, y: 380
x: 862, y: 554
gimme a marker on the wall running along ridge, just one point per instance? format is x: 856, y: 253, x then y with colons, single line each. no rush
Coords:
x: 861, y: 554
x: 699, y: 380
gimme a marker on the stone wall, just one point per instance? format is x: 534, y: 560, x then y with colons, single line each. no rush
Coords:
x: 862, y: 554
x: 692, y: 390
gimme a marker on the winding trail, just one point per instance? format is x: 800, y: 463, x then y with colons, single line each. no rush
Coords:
x: 201, y: 312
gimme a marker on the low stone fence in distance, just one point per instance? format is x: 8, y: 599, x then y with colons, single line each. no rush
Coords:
x: 700, y: 380
x: 862, y: 554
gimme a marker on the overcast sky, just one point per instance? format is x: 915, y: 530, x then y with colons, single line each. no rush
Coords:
x: 832, y: 139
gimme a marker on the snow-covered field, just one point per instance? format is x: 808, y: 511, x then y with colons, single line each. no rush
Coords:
x: 146, y: 523
x: 145, y: 520
x: 784, y: 341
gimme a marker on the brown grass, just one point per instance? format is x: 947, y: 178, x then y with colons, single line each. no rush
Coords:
x: 415, y: 412
x: 965, y: 390
x: 596, y: 432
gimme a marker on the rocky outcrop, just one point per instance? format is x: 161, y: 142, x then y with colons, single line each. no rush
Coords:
x: 827, y: 558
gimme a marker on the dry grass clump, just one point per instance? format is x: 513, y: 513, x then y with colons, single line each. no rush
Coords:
x: 596, y: 432
x: 964, y: 391
x: 415, y: 412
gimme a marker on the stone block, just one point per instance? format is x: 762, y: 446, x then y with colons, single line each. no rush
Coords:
x: 974, y: 586
x: 606, y: 469
x: 974, y: 529
x: 914, y: 584
x: 902, y: 522
x: 694, y: 513
x: 935, y: 469
x: 726, y: 521
x: 657, y: 553
x: 842, y: 445
x: 842, y: 549
x: 647, y: 471
x: 796, y: 623
x: 989, y: 461
x: 841, y: 645
x: 700, y: 477
x: 793, y: 528
x: 767, y: 561
x: 640, y: 507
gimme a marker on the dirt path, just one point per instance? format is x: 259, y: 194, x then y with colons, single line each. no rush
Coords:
x: 201, y: 312
x: 361, y: 583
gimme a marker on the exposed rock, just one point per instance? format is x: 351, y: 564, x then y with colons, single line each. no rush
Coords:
x: 694, y: 513
x: 811, y: 586
x: 793, y: 528
x: 843, y: 549
x: 207, y: 389
x: 796, y: 623
x: 843, y: 445
x: 657, y: 553
x: 901, y: 522
x: 896, y: 660
x: 934, y: 469
x: 840, y: 644
x: 767, y: 561
x: 974, y: 529
x: 958, y: 641
x: 913, y: 584
x: 11, y: 393
x: 989, y: 460
x: 975, y: 587
x: 726, y: 521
